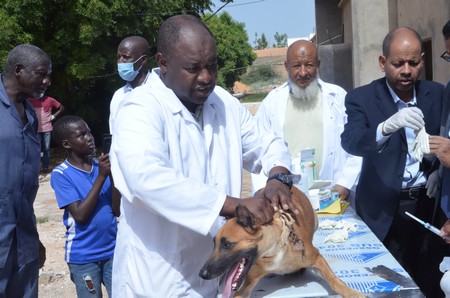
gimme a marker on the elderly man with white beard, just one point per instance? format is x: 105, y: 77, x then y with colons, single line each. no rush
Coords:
x: 310, y: 113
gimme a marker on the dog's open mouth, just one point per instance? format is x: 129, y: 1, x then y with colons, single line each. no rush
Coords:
x: 236, y: 276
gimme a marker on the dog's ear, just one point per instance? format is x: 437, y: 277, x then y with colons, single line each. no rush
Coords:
x: 243, y: 216
x: 245, y: 219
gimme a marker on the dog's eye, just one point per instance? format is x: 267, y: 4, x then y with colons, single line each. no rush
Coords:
x: 225, y: 244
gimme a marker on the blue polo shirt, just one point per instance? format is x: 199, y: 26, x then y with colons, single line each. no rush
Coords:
x: 96, y: 239
x: 19, y: 180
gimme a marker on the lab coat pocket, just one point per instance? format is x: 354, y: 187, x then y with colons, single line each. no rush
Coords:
x: 151, y: 274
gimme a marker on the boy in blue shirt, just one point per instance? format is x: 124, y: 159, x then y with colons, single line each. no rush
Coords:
x: 84, y: 189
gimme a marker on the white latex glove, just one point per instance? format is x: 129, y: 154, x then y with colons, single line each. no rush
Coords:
x: 421, y: 145
x: 432, y: 184
x: 445, y: 284
x: 407, y: 117
x: 52, y: 117
x: 444, y: 267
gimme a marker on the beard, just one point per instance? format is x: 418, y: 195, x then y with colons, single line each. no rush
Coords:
x: 309, y: 93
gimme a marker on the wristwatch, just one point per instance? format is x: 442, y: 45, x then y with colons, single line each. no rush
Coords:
x: 284, y: 178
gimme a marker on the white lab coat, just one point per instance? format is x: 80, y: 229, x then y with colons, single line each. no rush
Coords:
x: 117, y: 99
x: 337, y: 164
x: 174, y: 178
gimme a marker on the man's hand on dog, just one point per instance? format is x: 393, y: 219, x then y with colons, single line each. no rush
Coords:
x: 266, y: 201
x: 260, y: 208
x: 278, y: 194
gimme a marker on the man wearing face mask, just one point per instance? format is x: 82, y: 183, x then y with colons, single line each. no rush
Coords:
x: 132, y: 58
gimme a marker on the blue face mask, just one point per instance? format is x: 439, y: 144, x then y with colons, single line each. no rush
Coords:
x: 126, y: 70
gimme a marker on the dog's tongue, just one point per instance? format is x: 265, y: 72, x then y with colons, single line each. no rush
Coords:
x: 226, y: 293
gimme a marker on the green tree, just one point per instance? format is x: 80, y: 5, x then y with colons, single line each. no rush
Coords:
x: 280, y: 39
x: 234, y: 53
x: 261, y: 42
x: 81, y: 37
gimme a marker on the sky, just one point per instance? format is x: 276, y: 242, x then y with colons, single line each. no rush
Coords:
x: 296, y: 18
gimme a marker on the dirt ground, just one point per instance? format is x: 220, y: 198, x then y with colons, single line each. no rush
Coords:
x: 54, y: 278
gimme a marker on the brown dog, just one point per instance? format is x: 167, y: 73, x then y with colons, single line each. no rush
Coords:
x: 249, y: 251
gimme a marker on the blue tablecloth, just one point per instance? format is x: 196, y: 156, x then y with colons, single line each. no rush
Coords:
x: 356, y: 261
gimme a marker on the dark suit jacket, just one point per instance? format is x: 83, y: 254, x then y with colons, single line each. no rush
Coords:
x: 445, y: 174
x: 380, y: 182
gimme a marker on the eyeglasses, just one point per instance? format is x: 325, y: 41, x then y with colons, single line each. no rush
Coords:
x: 445, y: 56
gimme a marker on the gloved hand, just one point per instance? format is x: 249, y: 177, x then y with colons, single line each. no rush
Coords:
x: 52, y: 117
x: 407, y: 117
x: 432, y: 185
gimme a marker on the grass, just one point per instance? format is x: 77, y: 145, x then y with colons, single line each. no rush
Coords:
x: 43, y: 219
x: 256, y: 97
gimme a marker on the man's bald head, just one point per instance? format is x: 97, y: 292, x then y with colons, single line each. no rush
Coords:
x: 135, y: 50
x: 137, y: 44
x: 302, y: 63
x: 27, y: 55
x: 302, y: 46
x: 402, y: 61
x: 404, y: 33
x: 173, y: 28
x: 187, y: 59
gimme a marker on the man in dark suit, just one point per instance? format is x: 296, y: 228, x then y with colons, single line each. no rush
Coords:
x: 383, y: 120
x: 440, y: 145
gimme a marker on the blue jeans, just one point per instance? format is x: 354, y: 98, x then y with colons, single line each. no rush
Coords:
x: 44, y: 138
x: 88, y: 278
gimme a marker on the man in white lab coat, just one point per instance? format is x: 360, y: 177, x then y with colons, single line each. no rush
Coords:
x: 133, y: 53
x: 310, y: 113
x: 179, y: 146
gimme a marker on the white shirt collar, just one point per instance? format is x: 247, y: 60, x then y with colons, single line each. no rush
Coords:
x: 127, y: 88
x: 397, y: 99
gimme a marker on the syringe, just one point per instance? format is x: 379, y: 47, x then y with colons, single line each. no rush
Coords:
x: 427, y: 225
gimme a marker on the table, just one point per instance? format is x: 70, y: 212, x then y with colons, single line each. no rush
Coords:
x: 354, y: 261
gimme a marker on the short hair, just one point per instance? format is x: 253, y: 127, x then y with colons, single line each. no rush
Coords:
x: 390, y: 36
x: 446, y: 29
x: 61, y: 128
x: 25, y: 54
x: 139, y: 43
x: 170, y: 31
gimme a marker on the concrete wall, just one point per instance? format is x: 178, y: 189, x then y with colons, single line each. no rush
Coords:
x: 366, y: 23
x: 336, y: 64
x: 335, y: 56
x: 345, y: 7
x: 329, y: 28
x: 428, y: 18
x: 370, y: 25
